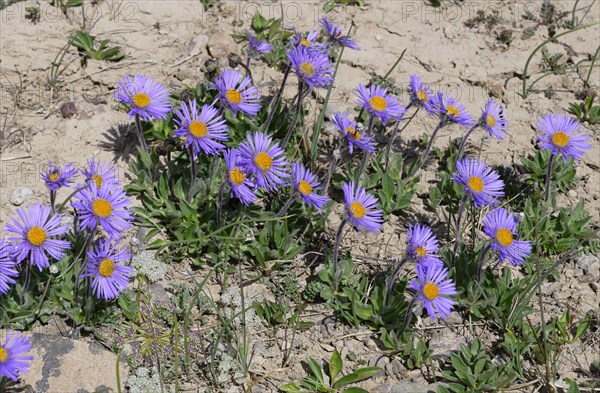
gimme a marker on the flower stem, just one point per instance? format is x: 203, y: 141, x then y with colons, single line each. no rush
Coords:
x: 457, y: 242
x: 285, y: 207
x: 407, y: 317
x: 296, y: 116
x: 220, y: 202
x: 336, y: 249
x: 393, y: 137
x: 140, y: 133
x: 332, y: 165
x: 481, y: 260
x: 277, y: 98
x: 53, y: 200
x: 549, y: 178
x: 366, y: 155
x: 463, y: 143
x: 192, y: 174
x: 428, y: 148
x: 391, y: 280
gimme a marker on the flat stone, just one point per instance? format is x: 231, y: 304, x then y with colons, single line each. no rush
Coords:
x: 65, y: 365
x: 20, y: 195
x: 406, y: 387
x: 443, y: 344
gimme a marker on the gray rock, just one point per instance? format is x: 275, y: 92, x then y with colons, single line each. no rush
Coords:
x: 406, y: 387
x: 65, y: 365
x: 20, y: 195
x: 585, y: 262
x: 442, y: 345
x: 197, y: 45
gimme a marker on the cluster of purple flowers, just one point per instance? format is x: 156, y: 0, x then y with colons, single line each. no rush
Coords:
x: 37, y: 233
x: 259, y: 163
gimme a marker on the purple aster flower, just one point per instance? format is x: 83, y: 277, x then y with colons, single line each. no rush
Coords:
x: 33, y: 235
x: 480, y: 181
x: 147, y: 98
x: 335, y: 35
x: 105, y: 206
x: 305, y: 182
x: 99, y: 173
x: 561, y: 134
x: 241, y: 186
x: 313, y: 68
x: 109, y: 277
x: 423, y: 245
x: 7, y: 266
x: 450, y: 109
x: 236, y: 93
x: 12, y: 360
x: 57, y: 177
x: 348, y: 128
x: 260, y: 156
x: 259, y: 47
x: 309, y: 42
x: 433, y: 288
x: 501, y: 226
x: 379, y: 103
x: 361, y: 208
x: 493, y: 119
x: 202, y: 128
x: 421, y: 95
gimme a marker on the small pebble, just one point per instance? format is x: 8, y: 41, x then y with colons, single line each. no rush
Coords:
x: 20, y: 195
x: 68, y: 109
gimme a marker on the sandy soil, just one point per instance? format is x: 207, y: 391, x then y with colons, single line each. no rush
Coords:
x: 171, y: 40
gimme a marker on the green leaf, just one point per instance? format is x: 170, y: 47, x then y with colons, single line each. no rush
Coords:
x: 355, y: 390
x: 335, y: 365
x: 258, y: 22
x: 582, y: 327
x: 358, y: 375
x: 290, y: 388
x: 316, y: 370
x: 573, y: 388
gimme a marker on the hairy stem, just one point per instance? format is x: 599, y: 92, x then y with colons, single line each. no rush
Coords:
x: 428, y: 148
x: 391, y: 280
x: 549, y: 178
x: 461, y: 210
x: 296, y: 116
x: 336, y: 249
x: 463, y: 143
x: 277, y: 98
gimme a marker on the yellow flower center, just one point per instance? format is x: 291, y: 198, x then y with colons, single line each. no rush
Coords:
x: 305, y: 42
x: 357, y: 209
x: 560, y: 139
x: 98, y: 180
x: 141, y: 100
x: 304, y: 187
x: 421, y: 251
x: 475, y: 184
x: 102, y: 208
x: 53, y: 177
x: 198, y: 129
x: 378, y: 103
x: 504, y: 237
x: 431, y: 291
x: 36, y: 236
x: 3, y: 355
x: 422, y: 96
x: 236, y: 176
x: 106, y: 268
x: 307, y: 69
x: 263, y: 161
x: 355, y: 134
x: 490, y: 120
x: 452, y: 111
x: 233, y: 96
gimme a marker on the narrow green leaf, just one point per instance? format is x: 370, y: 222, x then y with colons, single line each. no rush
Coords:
x: 335, y: 365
